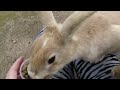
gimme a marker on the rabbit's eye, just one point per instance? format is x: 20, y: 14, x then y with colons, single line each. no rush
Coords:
x: 51, y: 60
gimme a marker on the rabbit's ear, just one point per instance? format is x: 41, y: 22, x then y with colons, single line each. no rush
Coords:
x: 73, y: 20
x: 47, y: 18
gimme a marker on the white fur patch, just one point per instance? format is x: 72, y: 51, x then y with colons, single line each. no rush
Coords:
x: 75, y: 38
x: 45, y: 42
x: 116, y: 27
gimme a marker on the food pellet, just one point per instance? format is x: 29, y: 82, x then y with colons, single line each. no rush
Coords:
x: 25, y: 73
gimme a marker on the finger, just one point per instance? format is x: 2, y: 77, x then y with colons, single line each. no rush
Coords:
x: 13, y: 71
x: 16, y: 65
x: 11, y: 75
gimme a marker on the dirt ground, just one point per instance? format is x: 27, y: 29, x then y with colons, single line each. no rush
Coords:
x: 17, y: 29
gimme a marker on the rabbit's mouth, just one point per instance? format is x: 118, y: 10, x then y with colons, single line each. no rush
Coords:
x: 48, y: 76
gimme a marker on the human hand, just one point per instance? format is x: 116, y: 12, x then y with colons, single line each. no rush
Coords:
x: 14, y: 70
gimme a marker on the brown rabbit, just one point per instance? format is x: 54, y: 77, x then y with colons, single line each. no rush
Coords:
x: 88, y: 35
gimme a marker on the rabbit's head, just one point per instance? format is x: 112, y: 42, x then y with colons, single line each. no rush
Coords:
x: 44, y: 53
x: 46, y: 50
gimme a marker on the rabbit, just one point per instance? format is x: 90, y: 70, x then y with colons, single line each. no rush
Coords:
x: 87, y: 35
